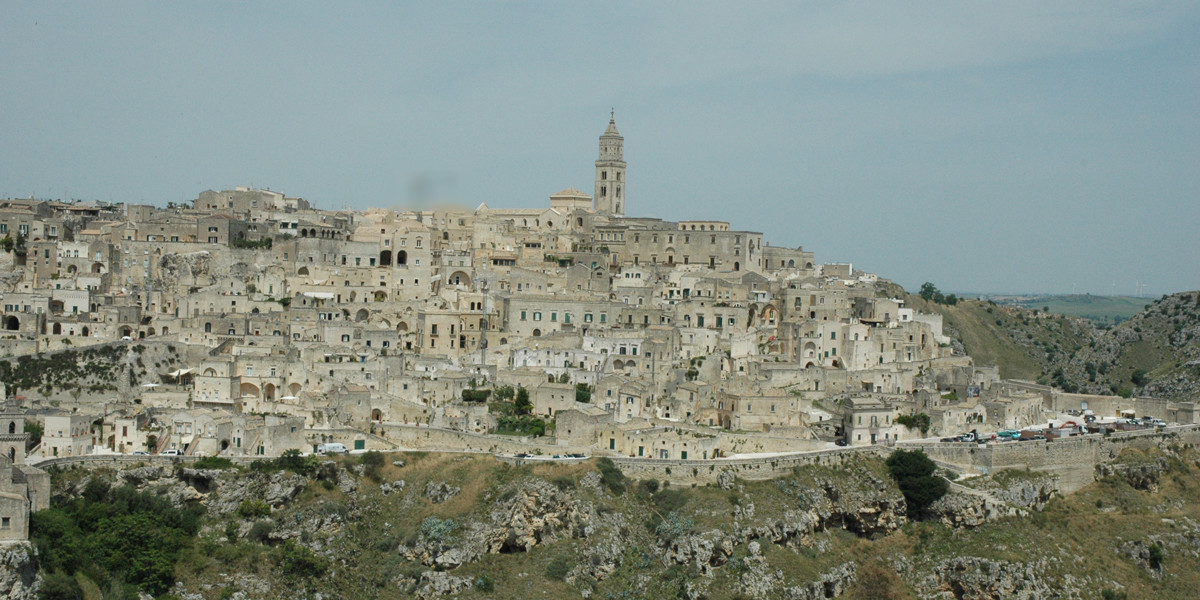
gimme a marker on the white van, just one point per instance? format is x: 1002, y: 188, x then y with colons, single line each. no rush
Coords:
x: 332, y: 448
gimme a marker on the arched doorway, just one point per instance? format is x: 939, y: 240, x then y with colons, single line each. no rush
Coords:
x: 377, y: 415
x: 57, y: 329
x: 402, y: 257
x: 385, y: 258
x: 12, y: 323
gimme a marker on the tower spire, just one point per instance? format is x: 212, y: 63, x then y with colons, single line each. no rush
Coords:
x: 610, y: 170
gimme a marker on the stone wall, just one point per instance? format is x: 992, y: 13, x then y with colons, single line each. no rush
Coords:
x: 431, y: 438
x: 701, y: 472
x: 1072, y: 459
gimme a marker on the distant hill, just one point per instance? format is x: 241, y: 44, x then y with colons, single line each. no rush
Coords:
x: 1153, y: 352
x: 1102, y: 310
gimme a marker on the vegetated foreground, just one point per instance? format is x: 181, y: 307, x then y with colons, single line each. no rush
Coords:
x: 468, y: 526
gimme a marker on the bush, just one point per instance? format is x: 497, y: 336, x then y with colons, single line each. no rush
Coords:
x: 114, y: 534
x: 611, y: 476
x: 372, y: 463
x: 261, y: 532
x: 484, y: 583
x: 213, y: 462
x: 914, y: 474
x: 253, y: 509
x: 917, y: 421
x: 59, y: 586
x: 476, y: 395
x: 1156, y: 557
x: 559, y: 567
x: 298, y: 561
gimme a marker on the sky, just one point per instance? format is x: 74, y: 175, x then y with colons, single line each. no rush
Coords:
x: 988, y: 147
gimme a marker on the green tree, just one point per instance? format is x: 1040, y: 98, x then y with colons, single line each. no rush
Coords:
x: 914, y: 474
x: 583, y: 392
x: 928, y: 291
x: 522, y: 403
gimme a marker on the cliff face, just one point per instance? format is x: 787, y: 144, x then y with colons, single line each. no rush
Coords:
x: 19, y: 577
x: 437, y: 526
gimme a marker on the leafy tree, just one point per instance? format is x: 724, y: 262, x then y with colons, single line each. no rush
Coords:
x: 928, y: 291
x: 523, y: 405
x: 918, y: 421
x: 1139, y: 377
x: 583, y: 392
x: 914, y: 473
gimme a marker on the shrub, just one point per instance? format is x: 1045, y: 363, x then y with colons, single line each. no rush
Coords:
x: 372, y: 463
x: 298, y: 561
x: 213, y: 462
x: 673, y: 525
x: 59, y: 586
x: 261, y: 532
x: 1156, y: 557
x: 559, y: 567
x: 917, y: 421
x: 253, y: 509
x: 914, y: 474
x: 440, y: 531
x: 564, y: 482
x: 476, y: 395
x: 611, y: 476
x: 484, y: 583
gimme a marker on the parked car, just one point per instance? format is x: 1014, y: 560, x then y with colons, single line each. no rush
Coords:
x: 140, y: 453
x: 171, y: 452
x: 1008, y: 434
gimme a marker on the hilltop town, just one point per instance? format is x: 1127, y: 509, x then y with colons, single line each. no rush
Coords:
x: 248, y: 323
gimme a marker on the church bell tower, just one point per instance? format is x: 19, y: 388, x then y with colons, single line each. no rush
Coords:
x: 610, y: 172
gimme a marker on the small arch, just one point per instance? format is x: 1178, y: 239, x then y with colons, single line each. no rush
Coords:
x: 12, y: 323
x: 86, y: 332
x: 361, y: 315
x: 792, y: 264
x: 302, y: 271
x: 12, y: 426
x: 402, y: 327
x: 537, y: 333
x: 737, y: 266
x: 402, y: 257
x: 57, y: 329
x: 385, y: 258
x: 376, y: 415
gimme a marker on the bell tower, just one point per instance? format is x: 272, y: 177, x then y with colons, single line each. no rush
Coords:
x: 610, y: 171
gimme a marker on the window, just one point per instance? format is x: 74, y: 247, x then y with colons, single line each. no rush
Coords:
x: 587, y: 317
x: 537, y: 316
x: 522, y: 315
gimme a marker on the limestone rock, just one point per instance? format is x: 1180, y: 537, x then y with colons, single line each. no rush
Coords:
x: 436, y: 583
x: 19, y: 575
x: 440, y: 491
x: 725, y: 479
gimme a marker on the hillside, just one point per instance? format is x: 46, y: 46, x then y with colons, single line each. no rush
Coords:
x: 438, y: 525
x: 1101, y: 310
x: 1156, y: 352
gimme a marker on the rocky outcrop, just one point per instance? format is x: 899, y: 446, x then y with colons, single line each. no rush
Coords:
x: 973, y: 578
x: 440, y: 491
x: 19, y: 576
x: 535, y: 514
x: 961, y: 509
x: 857, y: 500
x: 437, y: 583
x: 700, y: 550
x: 760, y: 582
x: 1140, y: 476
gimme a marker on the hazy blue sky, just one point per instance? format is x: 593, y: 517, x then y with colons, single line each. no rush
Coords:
x: 1000, y: 146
